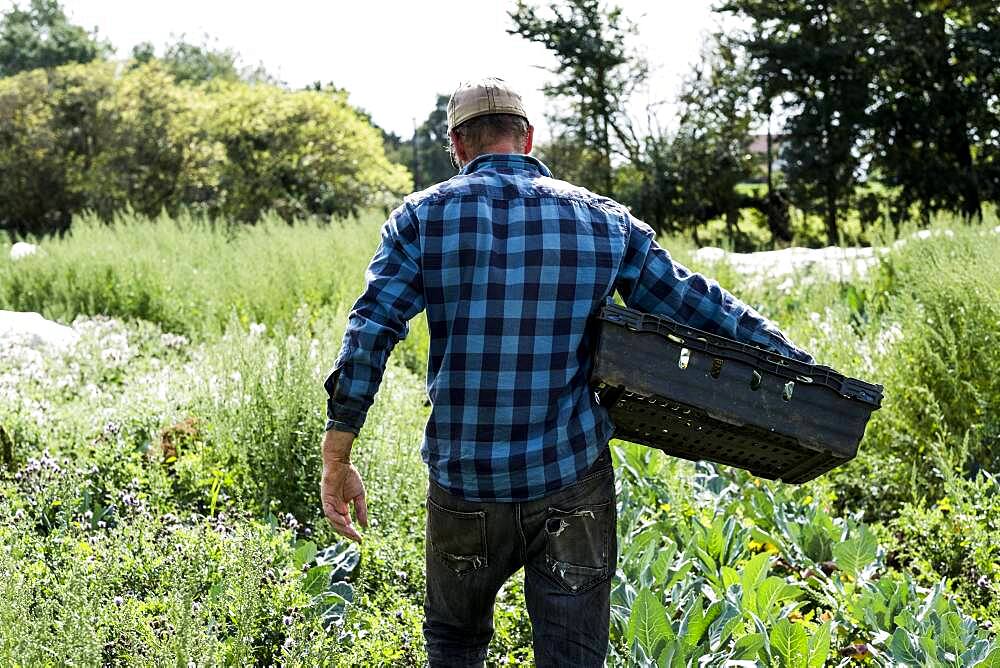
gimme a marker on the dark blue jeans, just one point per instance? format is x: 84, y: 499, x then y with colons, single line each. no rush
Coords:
x: 566, y: 543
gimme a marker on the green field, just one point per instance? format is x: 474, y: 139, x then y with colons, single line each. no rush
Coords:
x: 159, y: 480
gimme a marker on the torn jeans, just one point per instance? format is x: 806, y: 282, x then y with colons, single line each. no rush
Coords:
x: 566, y: 542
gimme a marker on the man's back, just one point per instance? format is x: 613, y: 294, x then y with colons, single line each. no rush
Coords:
x: 510, y: 265
x: 514, y: 264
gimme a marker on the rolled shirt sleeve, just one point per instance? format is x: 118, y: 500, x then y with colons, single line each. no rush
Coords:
x: 650, y: 281
x: 378, y: 320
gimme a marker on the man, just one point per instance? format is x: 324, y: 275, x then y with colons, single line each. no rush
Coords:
x: 510, y: 265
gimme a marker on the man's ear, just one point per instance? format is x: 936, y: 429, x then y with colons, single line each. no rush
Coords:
x: 529, y: 138
x: 460, y: 151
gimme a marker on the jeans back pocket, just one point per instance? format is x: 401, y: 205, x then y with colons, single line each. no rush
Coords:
x: 577, y: 543
x: 458, y: 539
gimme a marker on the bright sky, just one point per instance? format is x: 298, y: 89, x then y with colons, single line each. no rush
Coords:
x: 393, y: 57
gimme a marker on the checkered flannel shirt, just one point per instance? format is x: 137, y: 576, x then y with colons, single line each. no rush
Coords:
x: 510, y: 265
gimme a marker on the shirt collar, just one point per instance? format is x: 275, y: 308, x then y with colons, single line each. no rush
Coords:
x: 517, y: 161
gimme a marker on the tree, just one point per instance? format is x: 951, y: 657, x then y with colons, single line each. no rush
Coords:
x: 197, y: 63
x: 51, y: 132
x: 814, y: 59
x: 95, y: 137
x: 596, y: 75
x: 430, y: 163
x: 935, y: 117
x: 42, y: 36
x: 433, y: 163
x: 575, y: 161
x: 711, y: 149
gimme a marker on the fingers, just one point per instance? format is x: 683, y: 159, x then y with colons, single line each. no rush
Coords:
x: 346, y: 530
x: 335, y: 492
x: 361, y: 509
x: 341, y: 523
x: 340, y: 519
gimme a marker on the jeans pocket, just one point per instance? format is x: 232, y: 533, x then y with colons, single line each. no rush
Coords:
x: 576, y: 545
x: 457, y: 539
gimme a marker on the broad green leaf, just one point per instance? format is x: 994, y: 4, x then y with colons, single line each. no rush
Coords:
x: 771, y: 593
x: 754, y: 571
x: 672, y: 655
x: 709, y: 567
x: 816, y: 543
x: 928, y: 645
x: 819, y: 647
x: 975, y: 653
x: 748, y: 647
x: 852, y: 556
x: 696, y: 621
x: 992, y: 660
x: 729, y: 576
x: 951, y: 632
x: 716, y: 540
x: 724, y: 625
x: 317, y: 580
x: 679, y: 575
x: 644, y: 566
x: 661, y: 567
x: 903, y: 649
x: 790, y: 643
x: 304, y: 553
x: 648, y: 623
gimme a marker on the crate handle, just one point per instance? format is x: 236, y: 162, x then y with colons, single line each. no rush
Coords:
x: 716, y: 367
x: 755, y: 380
x: 786, y: 394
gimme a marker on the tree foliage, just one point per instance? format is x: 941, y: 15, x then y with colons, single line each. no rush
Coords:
x: 86, y: 137
x: 192, y: 62
x: 711, y: 148
x: 433, y: 163
x: 936, y: 113
x: 596, y: 72
x: 42, y: 36
x: 873, y: 96
x: 904, y: 94
x: 813, y: 58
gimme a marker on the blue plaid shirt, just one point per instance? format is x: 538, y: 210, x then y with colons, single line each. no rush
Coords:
x: 510, y: 264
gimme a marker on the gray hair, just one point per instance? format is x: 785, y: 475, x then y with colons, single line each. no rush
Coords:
x: 480, y: 132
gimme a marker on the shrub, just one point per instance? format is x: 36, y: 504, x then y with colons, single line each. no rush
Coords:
x: 934, y: 326
x: 955, y: 538
x: 81, y: 137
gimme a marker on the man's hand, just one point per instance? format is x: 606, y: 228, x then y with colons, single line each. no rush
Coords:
x: 341, y: 485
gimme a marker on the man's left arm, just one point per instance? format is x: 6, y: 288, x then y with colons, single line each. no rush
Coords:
x: 393, y: 295
x: 651, y: 281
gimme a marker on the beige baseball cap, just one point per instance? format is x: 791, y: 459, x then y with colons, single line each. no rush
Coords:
x: 483, y: 97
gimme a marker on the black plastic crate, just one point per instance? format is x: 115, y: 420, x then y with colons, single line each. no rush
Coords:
x: 705, y: 397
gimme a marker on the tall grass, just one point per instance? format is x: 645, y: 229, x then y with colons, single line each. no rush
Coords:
x: 932, y: 320
x: 191, y: 275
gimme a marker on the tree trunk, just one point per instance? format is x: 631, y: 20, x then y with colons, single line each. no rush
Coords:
x: 732, y: 213
x: 778, y: 220
x: 831, y: 214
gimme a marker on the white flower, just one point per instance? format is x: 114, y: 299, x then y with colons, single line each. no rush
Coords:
x: 887, y: 338
x: 173, y: 341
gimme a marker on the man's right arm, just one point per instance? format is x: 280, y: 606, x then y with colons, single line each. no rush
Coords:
x: 650, y: 281
x: 393, y: 295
